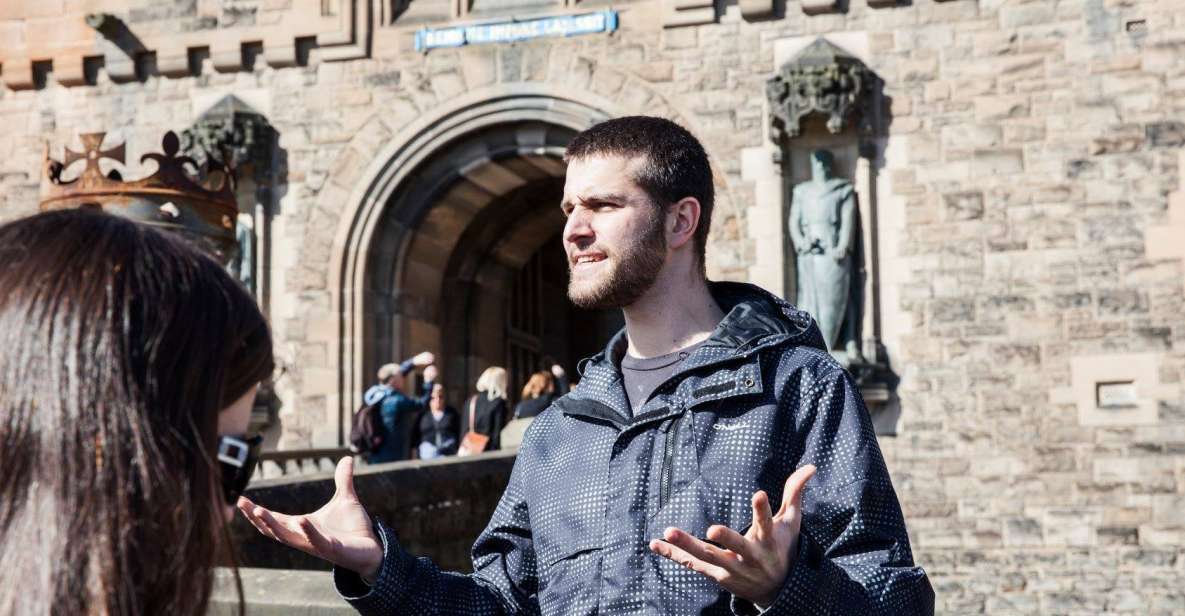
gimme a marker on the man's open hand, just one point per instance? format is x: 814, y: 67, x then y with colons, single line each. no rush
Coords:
x: 339, y: 532
x: 752, y: 566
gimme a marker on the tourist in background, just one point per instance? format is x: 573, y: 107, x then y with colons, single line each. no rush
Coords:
x: 486, y: 411
x: 389, y: 382
x: 538, y: 394
x: 438, y: 429
x: 562, y: 383
x: 130, y: 365
x: 399, y: 411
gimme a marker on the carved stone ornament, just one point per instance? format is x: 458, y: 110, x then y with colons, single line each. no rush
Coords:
x: 182, y: 196
x: 237, y: 133
x: 822, y: 79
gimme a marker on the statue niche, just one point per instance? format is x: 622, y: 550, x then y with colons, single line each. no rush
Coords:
x: 824, y: 230
x: 244, y: 140
x: 828, y: 121
x: 827, y: 107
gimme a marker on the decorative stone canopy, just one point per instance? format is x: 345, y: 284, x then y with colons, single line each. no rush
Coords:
x: 198, y: 205
x: 239, y: 134
x: 822, y: 78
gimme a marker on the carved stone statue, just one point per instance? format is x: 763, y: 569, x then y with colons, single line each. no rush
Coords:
x: 824, y: 227
x: 242, y: 266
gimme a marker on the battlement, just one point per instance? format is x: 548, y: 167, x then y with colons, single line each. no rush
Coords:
x: 128, y: 40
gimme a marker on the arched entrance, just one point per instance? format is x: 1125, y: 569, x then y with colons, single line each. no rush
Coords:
x: 483, y: 280
x: 455, y: 248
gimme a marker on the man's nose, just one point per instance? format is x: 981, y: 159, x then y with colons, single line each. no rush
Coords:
x: 578, y: 229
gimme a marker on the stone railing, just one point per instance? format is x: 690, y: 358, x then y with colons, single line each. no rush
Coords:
x: 437, y: 507
x: 298, y: 462
x: 277, y: 592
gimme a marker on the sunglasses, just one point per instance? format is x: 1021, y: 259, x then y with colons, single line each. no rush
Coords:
x: 238, y: 458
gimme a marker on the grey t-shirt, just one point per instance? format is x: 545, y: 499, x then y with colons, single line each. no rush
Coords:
x: 641, y: 376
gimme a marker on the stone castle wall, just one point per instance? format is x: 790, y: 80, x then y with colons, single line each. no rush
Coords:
x: 1032, y: 225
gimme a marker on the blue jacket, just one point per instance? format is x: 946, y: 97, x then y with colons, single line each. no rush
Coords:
x: 593, y: 484
x: 381, y: 390
x: 398, y: 413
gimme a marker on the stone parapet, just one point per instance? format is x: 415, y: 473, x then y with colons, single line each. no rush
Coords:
x: 436, y: 507
x: 277, y: 592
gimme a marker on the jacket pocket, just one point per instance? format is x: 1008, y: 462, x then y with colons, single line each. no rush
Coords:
x: 569, y: 584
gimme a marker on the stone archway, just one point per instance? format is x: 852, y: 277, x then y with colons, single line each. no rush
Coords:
x: 417, y: 240
x: 481, y: 210
x: 331, y: 287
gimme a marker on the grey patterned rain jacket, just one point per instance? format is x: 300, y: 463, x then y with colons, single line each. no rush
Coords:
x: 594, y: 484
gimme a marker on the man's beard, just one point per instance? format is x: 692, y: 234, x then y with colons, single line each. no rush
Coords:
x: 634, y: 270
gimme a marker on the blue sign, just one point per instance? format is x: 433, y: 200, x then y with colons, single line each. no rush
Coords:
x: 510, y: 31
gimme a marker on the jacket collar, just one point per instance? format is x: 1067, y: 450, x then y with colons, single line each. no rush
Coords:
x: 754, y: 320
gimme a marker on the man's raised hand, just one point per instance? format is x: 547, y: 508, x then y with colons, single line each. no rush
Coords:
x: 339, y: 532
x: 423, y: 359
x: 752, y: 566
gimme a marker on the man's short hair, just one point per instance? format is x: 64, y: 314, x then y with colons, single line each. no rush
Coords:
x: 388, y: 371
x: 676, y: 163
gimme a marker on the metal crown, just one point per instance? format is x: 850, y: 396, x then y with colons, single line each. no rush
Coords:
x: 200, y: 205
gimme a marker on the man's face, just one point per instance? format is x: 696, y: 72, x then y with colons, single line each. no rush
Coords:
x: 820, y: 166
x: 437, y: 398
x: 614, y: 238
x: 396, y: 381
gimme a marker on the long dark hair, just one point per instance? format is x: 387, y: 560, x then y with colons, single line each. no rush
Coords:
x: 119, y: 346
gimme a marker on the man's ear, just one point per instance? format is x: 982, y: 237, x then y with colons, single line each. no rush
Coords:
x: 682, y: 221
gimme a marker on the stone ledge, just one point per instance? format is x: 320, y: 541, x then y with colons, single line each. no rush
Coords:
x: 437, y: 507
x: 277, y: 592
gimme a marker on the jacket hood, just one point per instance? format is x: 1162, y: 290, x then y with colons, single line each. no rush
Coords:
x: 754, y: 316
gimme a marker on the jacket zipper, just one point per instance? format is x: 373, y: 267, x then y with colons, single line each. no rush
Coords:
x: 668, y: 462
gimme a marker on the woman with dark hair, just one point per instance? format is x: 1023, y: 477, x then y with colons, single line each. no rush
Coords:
x: 438, y: 427
x: 130, y: 363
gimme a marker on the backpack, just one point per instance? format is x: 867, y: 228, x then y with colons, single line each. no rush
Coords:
x: 366, y: 429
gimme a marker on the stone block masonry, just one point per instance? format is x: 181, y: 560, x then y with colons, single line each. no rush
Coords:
x: 1031, y: 223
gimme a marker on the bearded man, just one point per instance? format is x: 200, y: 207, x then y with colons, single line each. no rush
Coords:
x: 648, y: 488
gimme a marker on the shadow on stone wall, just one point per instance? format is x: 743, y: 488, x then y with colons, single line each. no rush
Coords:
x: 437, y: 507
